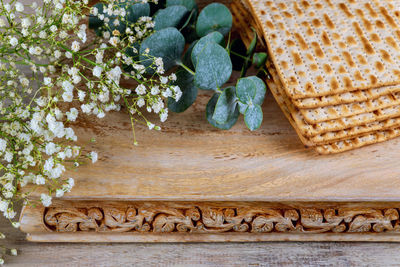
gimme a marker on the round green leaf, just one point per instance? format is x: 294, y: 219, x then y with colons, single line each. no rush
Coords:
x: 189, y: 92
x: 94, y: 21
x: 253, y: 43
x: 210, y: 113
x: 189, y: 4
x: 245, y: 90
x: 226, y: 105
x: 170, y: 17
x: 167, y: 43
x: 259, y: 59
x: 214, y: 17
x: 251, y: 90
x: 242, y: 107
x: 261, y: 90
x: 136, y: 11
x: 214, y: 37
x: 253, y: 117
x: 213, y: 68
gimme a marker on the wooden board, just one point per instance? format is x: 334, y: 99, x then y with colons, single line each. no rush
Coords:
x: 193, y: 183
x: 189, y: 160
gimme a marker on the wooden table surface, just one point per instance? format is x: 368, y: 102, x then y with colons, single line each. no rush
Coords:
x: 199, y: 254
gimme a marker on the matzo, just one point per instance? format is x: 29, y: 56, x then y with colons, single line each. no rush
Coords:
x: 368, y: 139
x: 244, y: 21
x: 343, y: 142
x: 328, y: 47
x: 311, y: 130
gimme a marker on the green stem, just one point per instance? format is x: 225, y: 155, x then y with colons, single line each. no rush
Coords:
x: 187, y: 68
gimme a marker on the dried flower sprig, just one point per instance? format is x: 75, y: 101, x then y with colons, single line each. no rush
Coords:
x: 52, y: 71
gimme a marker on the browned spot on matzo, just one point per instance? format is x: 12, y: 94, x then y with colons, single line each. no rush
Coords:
x: 296, y: 58
x: 366, y: 44
x: 358, y: 76
x: 329, y: 22
x: 373, y: 79
x: 328, y: 69
x: 380, y: 24
x: 379, y: 66
x: 297, y: 8
x: 290, y: 43
x: 351, y: 41
x: 270, y: 25
x: 371, y: 10
x: 386, y: 56
x: 349, y: 60
x: 334, y: 84
x: 325, y: 39
x: 313, y: 67
x: 336, y: 36
x: 375, y: 38
x: 346, y: 10
x: 392, y: 42
x: 342, y: 70
x: 301, y: 41
x: 317, y: 49
x: 316, y: 23
x: 287, y: 15
x: 362, y: 59
x: 388, y: 18
x: 305, y: 4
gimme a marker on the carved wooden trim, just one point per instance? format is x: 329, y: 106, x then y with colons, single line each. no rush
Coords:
x: 207, y: 218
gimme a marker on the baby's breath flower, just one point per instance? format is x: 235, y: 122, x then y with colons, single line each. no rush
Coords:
x: 46, y: 200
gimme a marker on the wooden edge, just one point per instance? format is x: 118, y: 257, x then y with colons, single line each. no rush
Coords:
x: 190, y: 238
x: 133, y: 221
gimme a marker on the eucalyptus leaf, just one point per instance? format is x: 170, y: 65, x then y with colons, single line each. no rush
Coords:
x: 210, y: 113
x: 185, y: 81
x: 245, y: 90
x: 242, y: 107
x: 261, y: 90
x: 253, y: 43
x: 251, y: 90
x: 259, y: 59
x: 171, y: 16
x: 214, y: 17
x: 138, y: 10
x: 214, y: 37
x: 213, y: 68
x: 253, y: 117
x: 167, y: 43
x: 189, y: 4
x: 226, y: 105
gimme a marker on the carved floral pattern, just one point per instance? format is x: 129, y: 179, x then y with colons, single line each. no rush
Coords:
x: 147, y: 218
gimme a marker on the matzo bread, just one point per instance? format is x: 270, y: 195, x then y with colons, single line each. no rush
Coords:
x: 244, y: 21
x: 329, y: 47
x: 311, y: 130
x: 336, y: 142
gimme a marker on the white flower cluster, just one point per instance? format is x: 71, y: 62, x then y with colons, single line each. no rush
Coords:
x: 68, y: 77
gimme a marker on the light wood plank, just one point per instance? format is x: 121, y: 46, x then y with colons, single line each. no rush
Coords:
x: 190, y: 160
x: 196, y: 254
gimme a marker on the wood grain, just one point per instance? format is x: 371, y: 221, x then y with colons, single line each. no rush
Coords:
x: 190, y: 160
x: 196, y: 254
